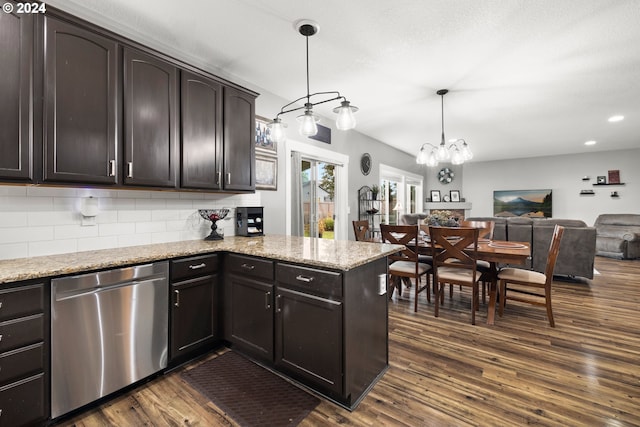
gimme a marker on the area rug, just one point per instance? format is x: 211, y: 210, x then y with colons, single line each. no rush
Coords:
x: 249, y: 393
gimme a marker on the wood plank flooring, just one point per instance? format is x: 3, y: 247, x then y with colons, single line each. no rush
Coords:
x: 446, y: 372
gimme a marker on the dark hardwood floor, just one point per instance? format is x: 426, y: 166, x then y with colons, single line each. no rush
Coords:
x: 446, y: 372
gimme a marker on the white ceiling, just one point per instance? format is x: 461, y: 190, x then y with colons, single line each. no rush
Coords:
x: 527, y: 78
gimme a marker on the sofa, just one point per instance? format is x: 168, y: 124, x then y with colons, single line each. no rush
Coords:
x: 618, y: 236
x: 577, y: 248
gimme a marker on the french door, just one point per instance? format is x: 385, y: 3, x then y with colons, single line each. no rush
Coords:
x: 318, y: 182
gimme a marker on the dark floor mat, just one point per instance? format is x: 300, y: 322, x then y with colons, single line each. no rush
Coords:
x: 249, y: 393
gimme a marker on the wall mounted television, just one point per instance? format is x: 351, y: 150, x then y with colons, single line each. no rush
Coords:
x: 526, y: 203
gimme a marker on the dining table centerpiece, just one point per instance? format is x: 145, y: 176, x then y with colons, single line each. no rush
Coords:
x: 441, y: 218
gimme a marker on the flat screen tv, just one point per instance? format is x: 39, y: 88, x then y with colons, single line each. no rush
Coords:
x: 527, y: 203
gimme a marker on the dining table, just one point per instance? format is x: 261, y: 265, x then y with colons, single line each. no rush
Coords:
x: 493, y: 251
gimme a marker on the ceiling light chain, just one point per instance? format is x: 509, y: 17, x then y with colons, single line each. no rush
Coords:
x: 308, y: 120
x: 458, y: 151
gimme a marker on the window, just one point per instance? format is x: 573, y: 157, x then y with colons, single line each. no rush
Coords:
x: 402, y: 193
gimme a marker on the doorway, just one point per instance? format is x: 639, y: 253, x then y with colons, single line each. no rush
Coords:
x: 318, y: 198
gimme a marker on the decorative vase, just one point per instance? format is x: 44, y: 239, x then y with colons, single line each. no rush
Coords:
x: 213, y: 215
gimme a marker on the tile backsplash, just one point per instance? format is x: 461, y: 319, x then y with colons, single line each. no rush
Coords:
x: 37, y: 221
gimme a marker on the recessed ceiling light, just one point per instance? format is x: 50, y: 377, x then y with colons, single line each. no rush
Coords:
x: 592, y: 142
x: 613, y: 119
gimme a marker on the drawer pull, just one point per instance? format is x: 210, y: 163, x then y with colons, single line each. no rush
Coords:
x: 177, y: 303
x: 112, y: 168
x: 278, y: 308
x: 228, y: 178
x: 267, y: 300
x: 196, y: 267
x: 0, y: 337
x: 130, y: 170
x: 218, y: 177
x: 248, y: 266
x: 302, y: 278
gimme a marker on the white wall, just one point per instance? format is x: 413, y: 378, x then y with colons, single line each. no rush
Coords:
x: 38, y: 221
x: 562, y: 174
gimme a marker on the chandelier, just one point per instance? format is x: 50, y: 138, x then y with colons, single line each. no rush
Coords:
x: 308, y: 120
x: 458, y: 151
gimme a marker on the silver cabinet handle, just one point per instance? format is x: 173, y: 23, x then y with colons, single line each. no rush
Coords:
x: 248, y: 266
x: 267, y: 300
x: 306, y: 279
x: 278, y: 308
x: 112, y: 168
x: 177, y: 303
x: 218, y: 178
x: 0, y: 337
x: 130, y: 170
x: 196, y: 267
x: 228, y: 178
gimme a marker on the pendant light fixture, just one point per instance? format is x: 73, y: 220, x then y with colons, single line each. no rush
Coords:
x: 458, y: 151
x: 308, y: 120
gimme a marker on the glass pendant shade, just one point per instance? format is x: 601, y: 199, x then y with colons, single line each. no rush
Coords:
x: 422, y: 156
x: 442, y: 153
x: 457, y: 158
x: 432, y: 159
x: 308, y: 124
x: 278, y: 133
x: 346, y: 119
x: 466, y: 151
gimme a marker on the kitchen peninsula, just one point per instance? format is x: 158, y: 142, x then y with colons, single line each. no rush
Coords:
x: 266, y: 296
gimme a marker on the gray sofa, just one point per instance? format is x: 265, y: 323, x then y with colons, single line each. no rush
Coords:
x: 618, y: 236
x: 577, y: 249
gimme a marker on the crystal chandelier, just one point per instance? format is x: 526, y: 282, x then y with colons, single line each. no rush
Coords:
x: 308, y: 120
x: 458, y: 151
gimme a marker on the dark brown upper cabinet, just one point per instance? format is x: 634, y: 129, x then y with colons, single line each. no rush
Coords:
x: 16, y: 78
x: 201, y: 162
x: 150, y: 120
x: 81, y: 132
x: 239, y: 140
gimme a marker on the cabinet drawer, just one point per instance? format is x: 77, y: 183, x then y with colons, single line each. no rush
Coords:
x: 20, y: 363
x: 23, y: 402
x: 193, y: 266
x: 250, y: 266
x: 21, y: 301
x: 20, y: 332
x: 311, y: 280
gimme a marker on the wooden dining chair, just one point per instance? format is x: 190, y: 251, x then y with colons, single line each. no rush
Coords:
x: 405, y: 263
x: 455, y: 256
x: 361, y: 229
x: 531, y: 286
x: 484, y: 267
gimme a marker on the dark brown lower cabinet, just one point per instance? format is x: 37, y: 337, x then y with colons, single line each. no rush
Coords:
x: 194, y: 306
x: 24, y: 354
x: 309, y: 339
x: 249, y: 305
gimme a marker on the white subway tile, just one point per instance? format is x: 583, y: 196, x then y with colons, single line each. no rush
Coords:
x: 13, y: 219
x: 134, y: 239
x: 165, y: 237
x: 36, y: 219
x: 26, y: 204
x: 53, y: 247
x: 165, y: 215
x: 14, y: 250
x: 35, y: 191
x: 74, y: 232
x: 117, y: 229
x: 134, y: 216
x: 142, y: 204
x: 96, y: 243
x: 134, y: 194
x: 150, y: 227
x: 26, y: 234
x: 13, y: 190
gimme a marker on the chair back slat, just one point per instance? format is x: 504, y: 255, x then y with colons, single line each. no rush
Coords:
x: 459, y: 243
x: 554, y: 250
x: 401, y: 235
x: 360, y: 229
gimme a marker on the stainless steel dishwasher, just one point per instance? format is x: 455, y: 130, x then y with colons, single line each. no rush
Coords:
x: 108, y: 330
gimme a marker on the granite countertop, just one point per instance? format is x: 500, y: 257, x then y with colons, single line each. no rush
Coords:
x: 335, y: 254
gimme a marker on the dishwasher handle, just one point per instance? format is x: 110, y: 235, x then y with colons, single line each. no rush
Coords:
x: 98, y: 289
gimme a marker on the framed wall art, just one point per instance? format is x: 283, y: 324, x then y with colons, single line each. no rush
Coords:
x: 435, y: 195
x: 266, y: 172
x: 455, y: 195
x: 264, y: 143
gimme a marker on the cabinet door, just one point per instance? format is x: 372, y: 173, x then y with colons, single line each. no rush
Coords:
x: 16, y: 138
x: 150, y: 116
x: 251, y: 318
x: 309, y: 339
x: 201, y: 165
x: 194, y: 314
x: 239, y: 140
x: 80, y: 106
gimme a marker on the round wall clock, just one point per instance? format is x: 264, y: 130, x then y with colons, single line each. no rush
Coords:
x: 365, y: 163
x: 445, y: 176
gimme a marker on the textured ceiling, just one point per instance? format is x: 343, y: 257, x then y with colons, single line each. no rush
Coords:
x: 526, y: 77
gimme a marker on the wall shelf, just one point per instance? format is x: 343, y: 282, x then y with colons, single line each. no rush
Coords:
x: 620, y: 183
